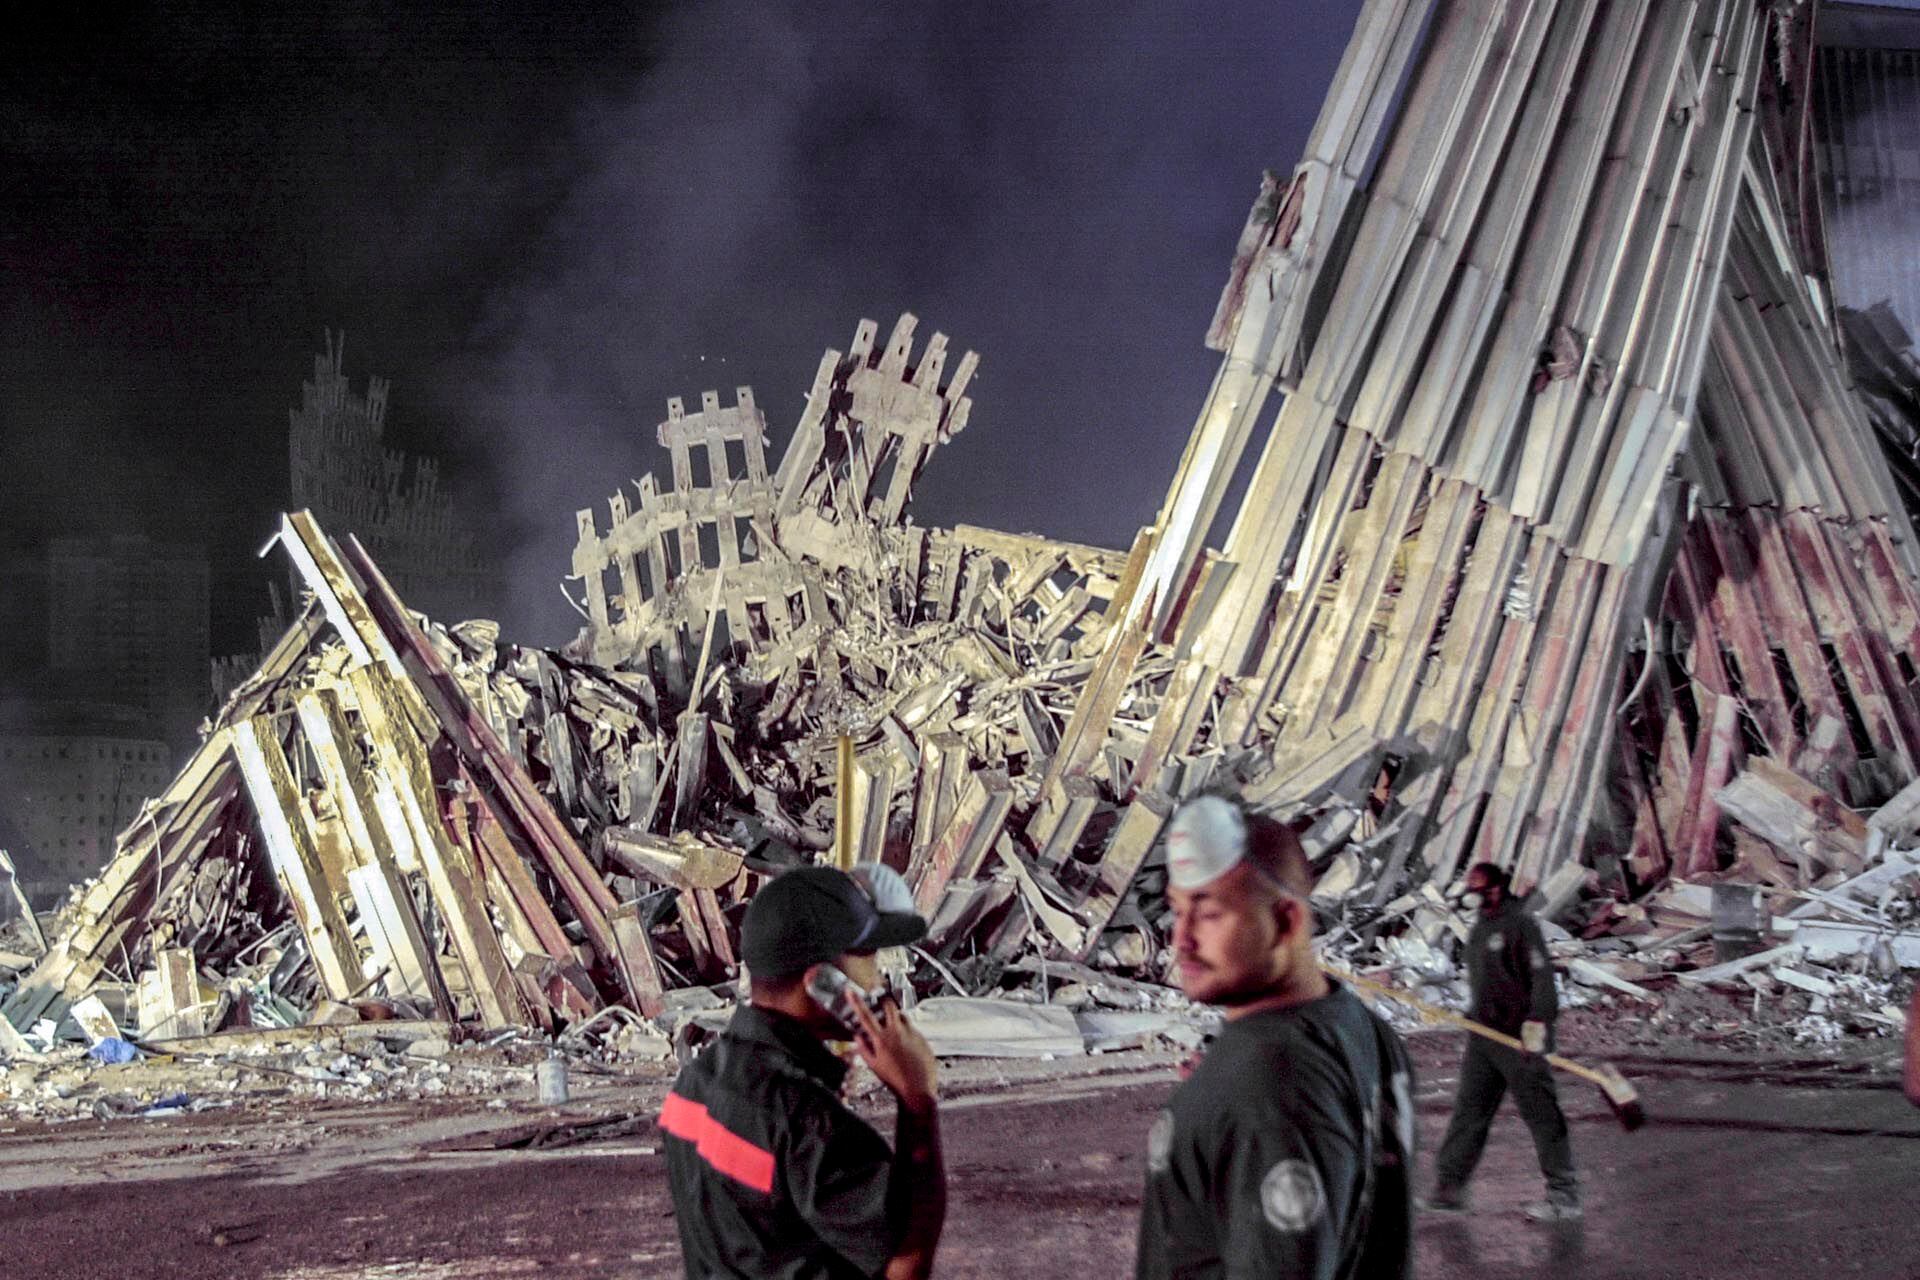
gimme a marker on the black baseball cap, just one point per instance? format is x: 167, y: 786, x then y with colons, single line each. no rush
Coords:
x: 811, y: 915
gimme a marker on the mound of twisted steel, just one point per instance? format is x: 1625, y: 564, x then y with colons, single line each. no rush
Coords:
x: 426, y: 818
x: 767, y: 561
x: 415, y: 856
x: 1543, y: 331
x: 1565, y: 440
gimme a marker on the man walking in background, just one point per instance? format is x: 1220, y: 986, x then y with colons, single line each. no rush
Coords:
x: 1510, y: 983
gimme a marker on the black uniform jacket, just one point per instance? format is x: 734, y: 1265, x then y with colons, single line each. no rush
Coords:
x: 1509, y: 977
x: 1286, y: 1153
x: 772, y: 1177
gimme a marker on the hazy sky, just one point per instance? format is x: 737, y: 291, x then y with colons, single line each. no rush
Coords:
x: 541, y: 225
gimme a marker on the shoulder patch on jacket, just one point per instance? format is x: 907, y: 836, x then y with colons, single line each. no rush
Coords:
x: 1291, y: 1196
x: 1160, y: 1142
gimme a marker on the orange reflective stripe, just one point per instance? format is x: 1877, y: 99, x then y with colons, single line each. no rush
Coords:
x: 723, y: 1149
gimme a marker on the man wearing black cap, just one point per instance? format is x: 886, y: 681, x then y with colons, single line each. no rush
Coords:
x: 1286, y: 1154
x: 772, y: 1176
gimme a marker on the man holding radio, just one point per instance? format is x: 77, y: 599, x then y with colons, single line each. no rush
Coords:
x: 772, y: 1176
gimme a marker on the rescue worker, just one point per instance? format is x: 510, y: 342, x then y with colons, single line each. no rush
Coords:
x: 771, y: 1175
x: 1510, y: 984
x: 885, y: 887
x: 1287, y: 1152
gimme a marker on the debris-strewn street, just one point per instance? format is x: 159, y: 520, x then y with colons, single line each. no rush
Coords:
x: 1046, y: 1175
x: 1559, y: 657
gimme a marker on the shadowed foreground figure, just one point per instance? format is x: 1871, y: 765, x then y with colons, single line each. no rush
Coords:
x: 773, y: 1178
x: 1510, y: 981
x: 1287, y: 1152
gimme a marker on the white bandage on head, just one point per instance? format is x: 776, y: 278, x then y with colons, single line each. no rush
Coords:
x: 1206, y: 839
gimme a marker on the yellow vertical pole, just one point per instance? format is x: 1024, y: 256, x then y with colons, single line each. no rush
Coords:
x: 843, y: 807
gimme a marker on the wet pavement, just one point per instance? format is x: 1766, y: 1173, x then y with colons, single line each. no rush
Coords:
x: 1794, y: 1169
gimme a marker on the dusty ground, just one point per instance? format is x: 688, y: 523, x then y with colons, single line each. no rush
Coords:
x: 1786, y: 1167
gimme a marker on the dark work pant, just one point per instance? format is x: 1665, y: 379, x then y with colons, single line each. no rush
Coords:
x: 1486, y: 1073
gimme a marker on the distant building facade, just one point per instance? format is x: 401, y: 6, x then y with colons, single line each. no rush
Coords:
x: 72, y: 777
x: 103, y: 684
x: 128, y: 624
x: 342, y: 471
x: 23, y: 641
x: 1866, y: 112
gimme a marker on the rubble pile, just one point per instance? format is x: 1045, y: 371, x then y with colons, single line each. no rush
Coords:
x: 1571, y: 546
x: 400, y: 1060
x: 1807, y: 937
x: 425, y: 820
x: 1068, y: 1012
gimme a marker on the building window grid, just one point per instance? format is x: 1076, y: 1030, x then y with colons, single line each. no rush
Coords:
x: 1872, y: 166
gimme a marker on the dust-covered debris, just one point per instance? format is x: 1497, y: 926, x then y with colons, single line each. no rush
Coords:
x: 1533, y: 567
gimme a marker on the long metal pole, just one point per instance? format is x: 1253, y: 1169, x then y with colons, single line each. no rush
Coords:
x: 843, y: 807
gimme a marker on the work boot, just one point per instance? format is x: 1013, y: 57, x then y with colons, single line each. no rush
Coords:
x: 1445, y: 1199
x: 1557, y: 1207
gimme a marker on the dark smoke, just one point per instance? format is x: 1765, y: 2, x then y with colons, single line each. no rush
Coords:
x: 1058, y: 187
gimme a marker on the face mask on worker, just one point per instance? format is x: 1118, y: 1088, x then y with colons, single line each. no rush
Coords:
x: 1472, y: 900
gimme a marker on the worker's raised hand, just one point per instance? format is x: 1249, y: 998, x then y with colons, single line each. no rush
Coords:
x: 900, y: 1056
x: 1534, y: 1036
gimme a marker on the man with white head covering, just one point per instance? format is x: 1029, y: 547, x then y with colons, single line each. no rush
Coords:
x: 1287, y: 1152
x: 894, y: 901
x: 891, y: 897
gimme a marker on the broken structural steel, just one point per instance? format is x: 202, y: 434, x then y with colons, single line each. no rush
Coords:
x: 1570, y: 544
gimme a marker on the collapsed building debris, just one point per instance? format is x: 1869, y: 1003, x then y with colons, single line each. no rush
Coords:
x: 1570, y: 547
x: 472, y: 831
